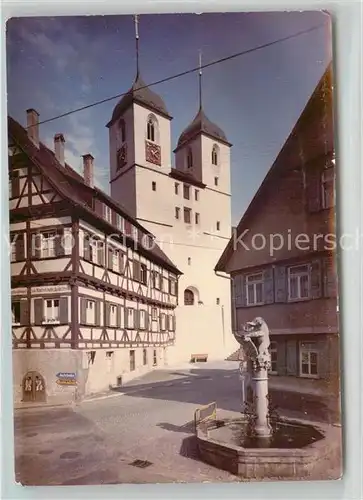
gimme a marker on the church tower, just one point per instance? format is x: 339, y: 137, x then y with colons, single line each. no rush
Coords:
x: 186, y: 207
x: 140, y: 145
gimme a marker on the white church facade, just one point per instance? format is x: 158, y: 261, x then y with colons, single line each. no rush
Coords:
x: 186, y: 204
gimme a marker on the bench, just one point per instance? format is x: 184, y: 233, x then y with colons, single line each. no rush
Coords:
x: 194, y: 358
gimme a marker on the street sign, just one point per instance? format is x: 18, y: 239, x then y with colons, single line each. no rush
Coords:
x: 66, y: 382
x: 66, y: 375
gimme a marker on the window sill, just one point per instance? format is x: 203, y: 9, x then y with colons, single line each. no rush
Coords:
x: 309, y: 376
x: 255, y: 304
x: 51, y: 322
x: 302, y: 299
x: 15, y: 324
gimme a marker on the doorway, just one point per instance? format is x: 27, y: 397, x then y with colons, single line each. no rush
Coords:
x: 33, y: 388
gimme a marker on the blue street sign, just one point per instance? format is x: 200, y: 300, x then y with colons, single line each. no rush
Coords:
x: 66, y: 375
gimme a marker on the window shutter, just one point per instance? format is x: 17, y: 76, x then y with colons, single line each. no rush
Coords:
x: 63, y: 310
x: 268, y: 285
x: 24, y: 312
x: 58, y: 244
x: 100, y: 254
x: 137, y: 319
x: 147, y: 320
x: 126, y: 317
x: 118, y: 316
x: 136, y: 270
x: 19, y: 247
x: 107, y: 313
x: 315, y: 277
x: 313, y: 190
x: 280, y: 276
x: 237, y: 286
x: 38, y: 311
x: 121, y: 263
x: 128, y: 227
x: 330, y: 277
x: 291, y: 358
x: 83, y: 311
x: 86, y: 248
x: 114, y: 218
x: 281, y: 357
x: 15, y: 186
x: 37, y: 242
x: 98, y: 313
x: 110, y: 258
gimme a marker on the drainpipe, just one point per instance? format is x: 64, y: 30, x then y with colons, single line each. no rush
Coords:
x: 234, y: 309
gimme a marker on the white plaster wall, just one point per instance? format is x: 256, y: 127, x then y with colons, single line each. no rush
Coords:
x: 48, y: 363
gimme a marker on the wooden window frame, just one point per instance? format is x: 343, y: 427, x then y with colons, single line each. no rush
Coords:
x: 299, y: 276
x: 13, y: 316
x: 309, y: 351
x: 251, y: 280
x: 187, y: 215
x: 55, y: 318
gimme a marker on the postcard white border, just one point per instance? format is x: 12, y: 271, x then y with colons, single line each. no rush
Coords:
x: 347, y: 19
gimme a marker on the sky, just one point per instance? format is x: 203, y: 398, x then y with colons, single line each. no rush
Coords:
x: 59, y: 64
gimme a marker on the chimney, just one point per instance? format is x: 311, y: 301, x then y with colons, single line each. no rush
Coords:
x: 59, y: 148
x: 88, y: 169
x: 32, y: 118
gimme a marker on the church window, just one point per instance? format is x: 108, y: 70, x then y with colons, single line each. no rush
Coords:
x: 188, y: 297
x: 196, y: 195
x: 216, y: 181
x: 189, y: 158
x: 153, y: 185
x: 218, y: 225
x: 186, y: 192
x: 121, y: 132
x: 152, y: 129
x: 218, y: 301
x: 177, y: 212
x: 176, y: 187
x: 215, y: 154
x: 197, y: 218
x: 189, y: 261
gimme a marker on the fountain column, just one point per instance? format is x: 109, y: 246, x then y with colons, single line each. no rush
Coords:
x: 260, y: 379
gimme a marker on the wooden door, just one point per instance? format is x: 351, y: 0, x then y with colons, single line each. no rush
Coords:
x: 33, y: 388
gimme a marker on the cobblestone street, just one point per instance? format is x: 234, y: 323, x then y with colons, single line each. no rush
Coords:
x: 151, y: 420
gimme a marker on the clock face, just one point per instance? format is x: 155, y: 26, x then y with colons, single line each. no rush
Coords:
x: 153, y: 153
x: 121, y: 156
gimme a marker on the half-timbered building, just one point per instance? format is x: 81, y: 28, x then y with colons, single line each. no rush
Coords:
x: 93, y: 295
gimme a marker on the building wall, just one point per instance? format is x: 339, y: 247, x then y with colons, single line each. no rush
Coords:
x: 92, y: 377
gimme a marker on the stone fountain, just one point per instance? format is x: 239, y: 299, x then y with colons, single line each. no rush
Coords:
x: 258, y: 443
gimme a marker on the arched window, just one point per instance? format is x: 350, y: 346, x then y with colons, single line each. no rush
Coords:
x: 188, y: 297
x: 122, y: 130
x: 189, y: 158
x: 215, y: 154
x: 152, y: 129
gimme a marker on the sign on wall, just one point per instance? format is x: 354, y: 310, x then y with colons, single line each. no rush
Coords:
x: 66, y: 378
x: 50, y: 289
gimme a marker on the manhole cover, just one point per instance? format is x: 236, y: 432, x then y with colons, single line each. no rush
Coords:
x: 70, y: 454
x: 45, y: 452
x: 142, y: 464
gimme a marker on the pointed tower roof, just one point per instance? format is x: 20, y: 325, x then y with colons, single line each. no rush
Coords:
x: 141, y: 94
x: 202, y: 125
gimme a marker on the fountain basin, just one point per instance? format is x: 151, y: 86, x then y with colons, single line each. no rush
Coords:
x: 293, y: 452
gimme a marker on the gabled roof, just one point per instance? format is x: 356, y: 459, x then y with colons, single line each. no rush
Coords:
x: 141, y: 94
x: 288, y: 158
x: 202, y: 124
x: 71, y: 186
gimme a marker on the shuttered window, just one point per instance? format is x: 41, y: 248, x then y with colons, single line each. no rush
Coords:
x: 328, y: 187
x: 130, y: 317
x: 273, y: 354
x: 112, y: 315
x: 254, y: 289
x: 309, y: 357
x: 298, y: 282
x: 15, y: 312
x: 48, y: 244
x: 51, y: 311
x: 142, y: 319
x: 90, y: 312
